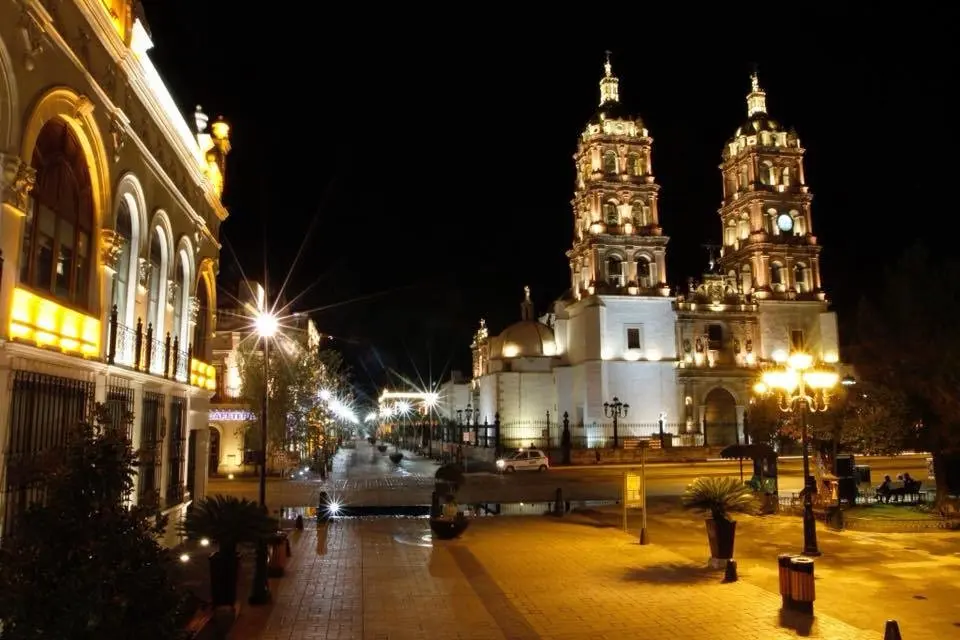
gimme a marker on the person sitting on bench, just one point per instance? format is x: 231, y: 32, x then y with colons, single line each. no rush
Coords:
x: 885, y: 489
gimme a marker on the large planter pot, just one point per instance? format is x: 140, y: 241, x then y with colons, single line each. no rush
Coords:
x: 396, y: 458
x: 721, y: 534
x: 382, y: 448
x: 224, y: 570
x: 448, y: 528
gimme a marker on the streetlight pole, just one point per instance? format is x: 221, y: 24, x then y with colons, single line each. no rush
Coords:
x: 797, y: 385
x: 615, y: 410
x: 266, y: 324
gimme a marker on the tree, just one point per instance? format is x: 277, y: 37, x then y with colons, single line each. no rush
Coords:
x: 302, y: 381
x: 83, y: 564
x: 909, y: 348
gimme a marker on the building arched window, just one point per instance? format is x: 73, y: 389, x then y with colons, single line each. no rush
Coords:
x: 610, y: 162
x: 634, y: 165
x: 202, y: 328
x: 615, y: 271
x: 158, y: 280
x: 57, y: 256
x: 181, y: 315
x: 125, y: 275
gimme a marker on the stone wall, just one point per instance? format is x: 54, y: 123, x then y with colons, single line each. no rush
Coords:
x: 632, y: 456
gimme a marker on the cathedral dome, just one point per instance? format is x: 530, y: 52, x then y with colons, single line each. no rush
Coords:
x: 524, y: 339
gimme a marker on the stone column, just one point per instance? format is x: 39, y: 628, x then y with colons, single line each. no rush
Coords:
x: 661, y: 260
x: 815, y: 270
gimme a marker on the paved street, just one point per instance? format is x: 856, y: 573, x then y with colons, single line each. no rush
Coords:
x: 517, y: 578
x: 364, y: 476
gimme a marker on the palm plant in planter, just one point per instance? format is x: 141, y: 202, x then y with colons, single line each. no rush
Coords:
x: 446, y: 520
x: 718, y: 498
x: 229, y: 522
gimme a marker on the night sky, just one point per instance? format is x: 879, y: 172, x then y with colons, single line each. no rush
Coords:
x: 423, y: 162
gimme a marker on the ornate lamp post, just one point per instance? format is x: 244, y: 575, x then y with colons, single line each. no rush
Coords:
x: 800, y: 386
x: 266, y: 324
x: 616, y: 410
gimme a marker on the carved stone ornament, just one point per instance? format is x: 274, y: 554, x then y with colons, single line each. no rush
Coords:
x: 749, y: 345
x: 687, y: 347
x: 143, y: 273
x: 17, y: 180
x: 111, y: 247
x: 173, y: 291
x: 119, y: 138
x: 34, y: 39
x: 194, y: 309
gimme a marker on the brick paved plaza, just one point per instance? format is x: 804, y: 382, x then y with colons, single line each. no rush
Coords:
x: 523, y: 578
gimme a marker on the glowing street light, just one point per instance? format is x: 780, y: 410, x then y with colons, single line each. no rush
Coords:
x: 266, y: 325
x: 800, y: 385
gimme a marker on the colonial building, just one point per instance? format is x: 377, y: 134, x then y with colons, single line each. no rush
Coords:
x: 109, y: 239
x: 684, y: 361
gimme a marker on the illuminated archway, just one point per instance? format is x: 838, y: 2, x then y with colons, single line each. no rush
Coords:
x: 77, y: 112
x: 720, y: 416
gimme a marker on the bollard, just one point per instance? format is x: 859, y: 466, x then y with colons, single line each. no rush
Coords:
x: 299, y: 523
x: 558, y: 503
x: 892, y: 631
x: 802, y: 590
x: 783, y: 569
x: 730, y: 574
x: 434, y: 505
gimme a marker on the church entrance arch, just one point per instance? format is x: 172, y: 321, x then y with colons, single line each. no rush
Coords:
x: 720, y: 417
x: 214, y: 461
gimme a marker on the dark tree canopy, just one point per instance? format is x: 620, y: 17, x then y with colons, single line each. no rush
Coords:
x: 909, y: 347
x: 83, y: 565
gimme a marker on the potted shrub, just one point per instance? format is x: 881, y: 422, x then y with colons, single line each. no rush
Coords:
x: 446, y: 520
x: 718, y: 498
x: 382, y: 448
x: 396, y: 457
x: 228, y: 522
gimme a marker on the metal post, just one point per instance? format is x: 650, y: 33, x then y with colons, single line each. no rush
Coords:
x: 643, y: 482
x: 260, y: 593
x: 809, y: 522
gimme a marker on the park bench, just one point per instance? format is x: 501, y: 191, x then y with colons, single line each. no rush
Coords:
x: 908, y: 493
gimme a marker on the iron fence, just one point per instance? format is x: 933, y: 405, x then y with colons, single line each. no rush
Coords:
x: 545, y: 434
x: 43, y: 409
x: 137, y: 349
x: 153, y: 422
x: 177, y: 446
x: 119, y: 405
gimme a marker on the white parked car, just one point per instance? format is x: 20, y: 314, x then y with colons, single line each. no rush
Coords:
x: 524, y: 460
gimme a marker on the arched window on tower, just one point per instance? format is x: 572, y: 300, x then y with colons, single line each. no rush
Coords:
x: 644, y: 272
x: 615, y: 271
x: 641, y: 213
x: 634, y: 164
x: 610, y: 162
x: 730, y: 234
x: 767, y: 176
x: 799, y: 223
x: 743, y: 226
x: 800, y: 277
x: 56, y: 255
x: 785, y: 177
x: 776, y: 276
x: 746, y: 278
x: 610, y: 214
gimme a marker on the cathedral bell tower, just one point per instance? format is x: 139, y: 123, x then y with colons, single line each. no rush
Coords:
x: 768, y: 241
x: 618, y: 247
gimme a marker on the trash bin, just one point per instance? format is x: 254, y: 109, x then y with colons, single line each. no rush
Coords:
x: 278, y: 552
x: 862, y: 474
x: 783, y: 569
x: 802, y: 591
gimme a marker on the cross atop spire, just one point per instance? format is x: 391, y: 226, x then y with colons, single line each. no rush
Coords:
x: 609, y: 84
x: 526, y: 309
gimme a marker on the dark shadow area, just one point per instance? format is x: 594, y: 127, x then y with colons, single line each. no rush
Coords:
x: 799, y: 622
x: 410, y: 511
x: 674, y: 573
x: 573, y: 519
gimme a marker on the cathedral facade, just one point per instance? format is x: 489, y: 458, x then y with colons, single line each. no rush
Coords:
x: 685, y: 361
